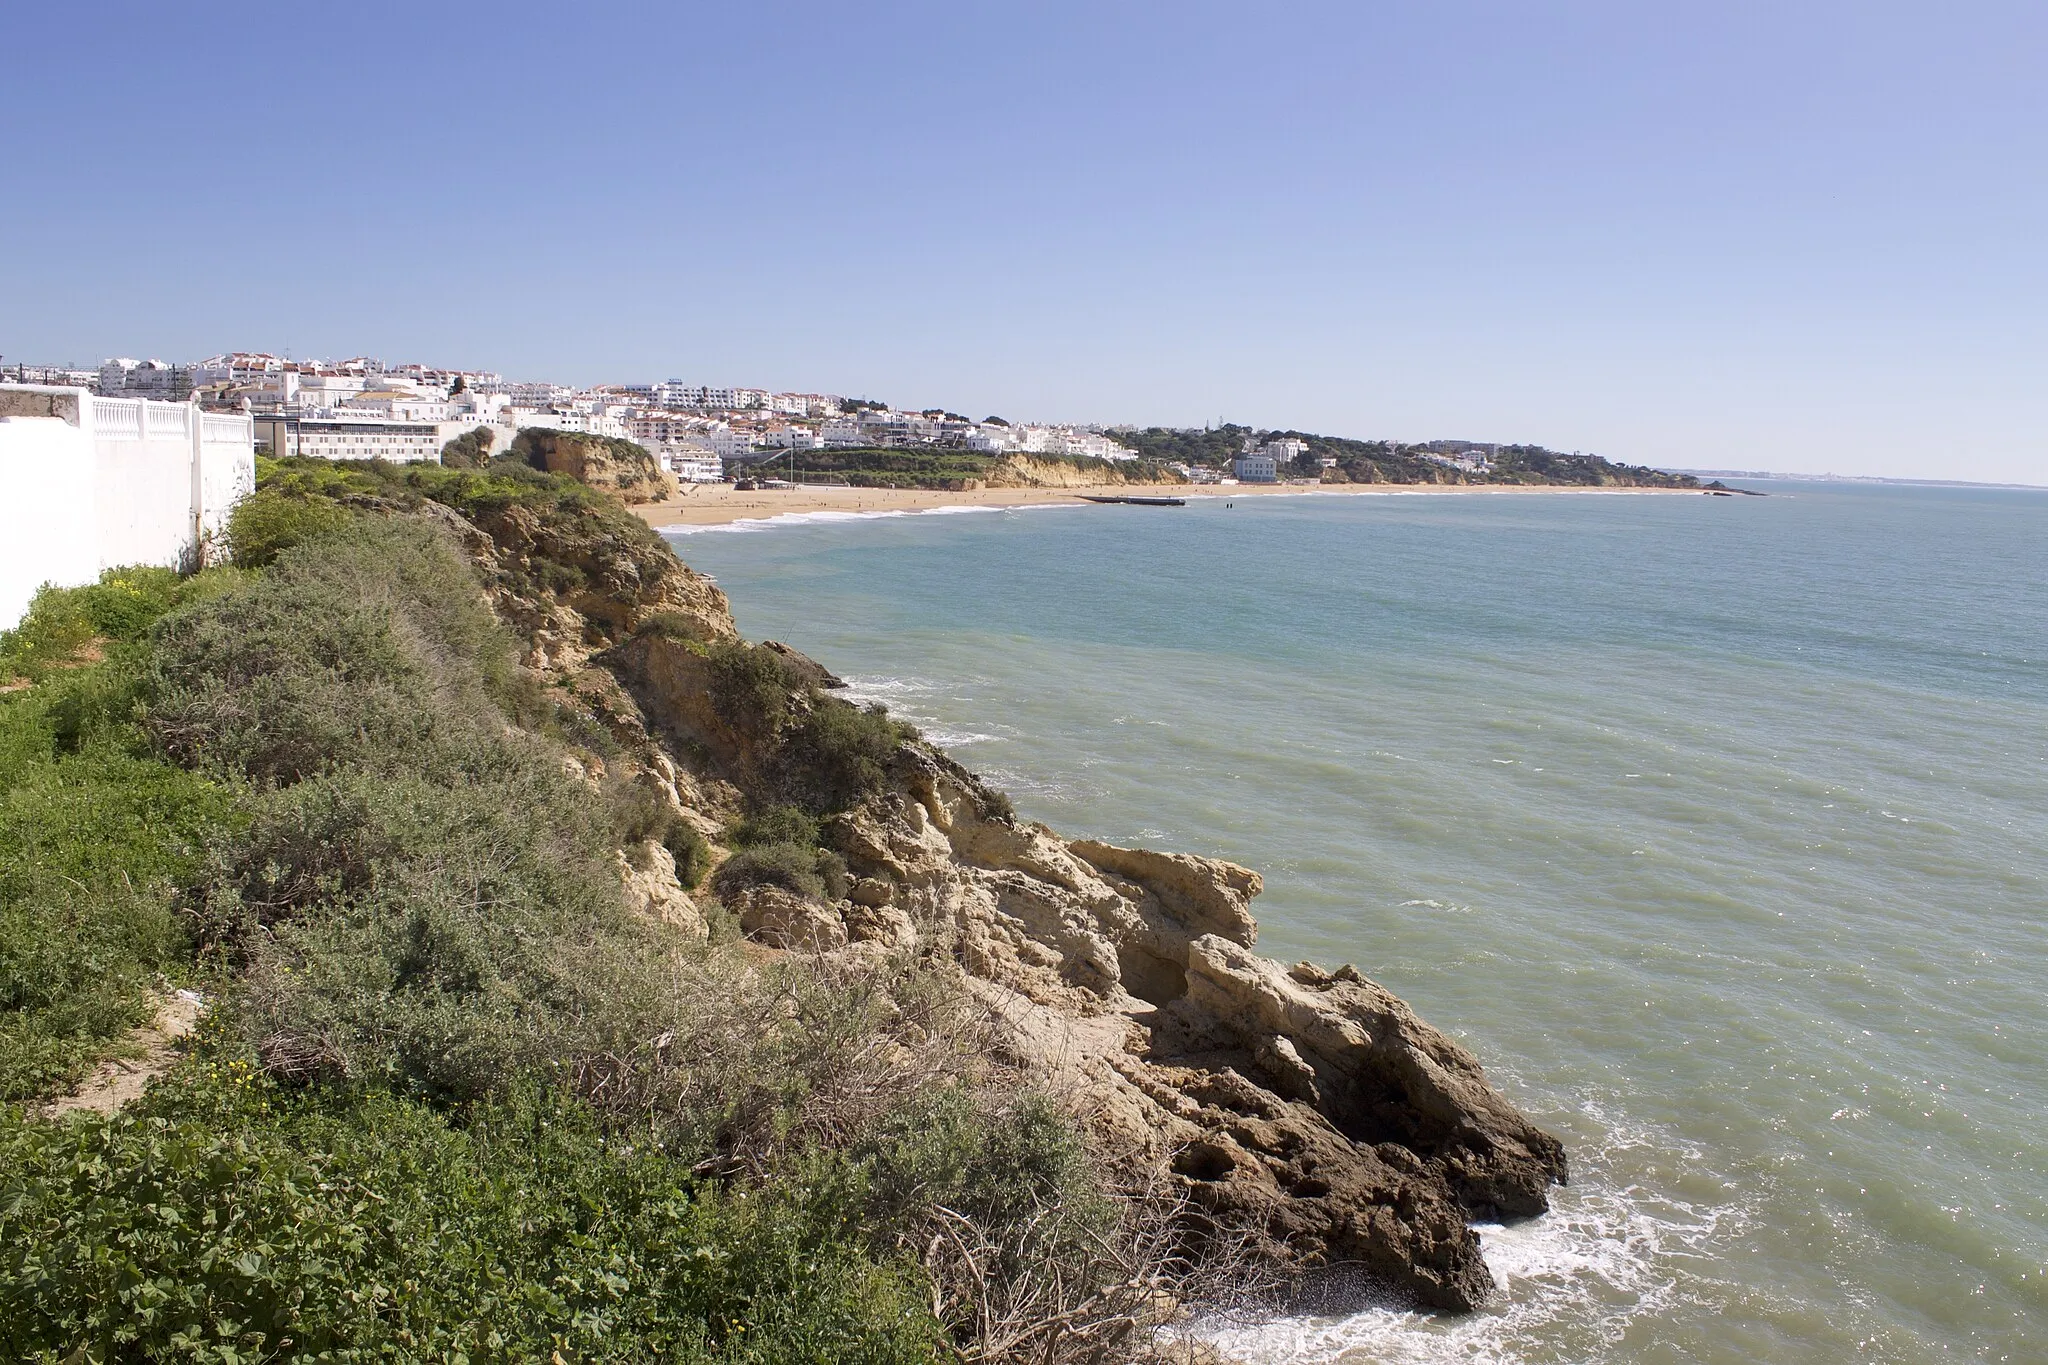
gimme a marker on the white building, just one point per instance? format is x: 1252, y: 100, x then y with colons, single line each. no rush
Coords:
x: 125, y: 378
x: 1255, y: 466
x: 59, y: 376
x: 536, y: 396
x: 592, y: 424
x: 676, y: 394
x: 239, y: 367
x: 1261, y: 462
x: 335, y: 434
x: 727, y: 443
x: 793, y: 438
x: 401, y: 406
x: 1093, y: 444
x: 661, y: 428
x: 696, y: 467
x: 1471, y: 461
x: 328, y: 388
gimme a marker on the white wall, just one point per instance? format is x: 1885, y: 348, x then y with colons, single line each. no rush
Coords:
x: 95, y: 482
x: 142, y: 478
x: 46, y: 466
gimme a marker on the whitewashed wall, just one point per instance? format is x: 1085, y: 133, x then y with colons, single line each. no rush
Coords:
x: 46, y: 530
x: 95, y: 482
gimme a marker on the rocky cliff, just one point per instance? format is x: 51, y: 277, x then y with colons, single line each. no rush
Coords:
x: 1307, y: 1109
x: 1022, y: 471
x: 619, y: 467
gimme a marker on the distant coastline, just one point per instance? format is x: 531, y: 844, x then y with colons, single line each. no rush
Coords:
x: 1855, y: 478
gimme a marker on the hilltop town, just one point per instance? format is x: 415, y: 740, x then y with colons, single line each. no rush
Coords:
x: 363, y: 408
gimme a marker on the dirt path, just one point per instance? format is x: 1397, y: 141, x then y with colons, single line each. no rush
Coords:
x: 154, y: 1047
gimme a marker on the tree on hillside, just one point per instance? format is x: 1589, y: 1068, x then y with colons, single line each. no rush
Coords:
x: 471, y: 450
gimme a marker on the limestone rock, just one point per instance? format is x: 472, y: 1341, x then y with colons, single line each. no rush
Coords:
x: 801, y: 668
x: 647, y: 875
x: 615, y: 465
x: 1313, y: 1105
x: 871, y: 891
x: 783, y: 919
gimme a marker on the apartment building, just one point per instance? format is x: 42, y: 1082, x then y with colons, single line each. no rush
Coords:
x: 333, y: 435
x: 125, y: 378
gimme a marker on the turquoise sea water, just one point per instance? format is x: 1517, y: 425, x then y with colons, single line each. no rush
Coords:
x: 1717, y: 827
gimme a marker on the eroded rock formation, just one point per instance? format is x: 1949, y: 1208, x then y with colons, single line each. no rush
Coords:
x: 607, y: 462
x: 1307, y: 1105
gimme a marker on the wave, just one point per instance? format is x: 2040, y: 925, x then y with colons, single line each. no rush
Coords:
x: 885, y: 689
x: 893, y: 692
x: 1610, y: 1253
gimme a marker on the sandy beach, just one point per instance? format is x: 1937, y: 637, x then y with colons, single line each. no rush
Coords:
x: 720, y: 504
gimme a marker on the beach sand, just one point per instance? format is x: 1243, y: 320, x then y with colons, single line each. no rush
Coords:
x: 716, y: 504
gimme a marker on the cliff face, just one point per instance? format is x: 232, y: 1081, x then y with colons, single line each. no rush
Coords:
x: 619, y: 467
x: 1310, y: 1103
x: 1022, y: 471
x: 1309, y: 1108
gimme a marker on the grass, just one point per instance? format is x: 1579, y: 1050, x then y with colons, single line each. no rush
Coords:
x: 98, y: 837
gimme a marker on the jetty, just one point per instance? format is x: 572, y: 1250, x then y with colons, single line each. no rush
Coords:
x: 1134, y: 501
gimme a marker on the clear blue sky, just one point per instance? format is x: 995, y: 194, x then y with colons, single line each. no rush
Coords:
x: 1791, y: 236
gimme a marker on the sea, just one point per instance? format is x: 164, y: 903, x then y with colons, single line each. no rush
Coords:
x: 1716, y: 827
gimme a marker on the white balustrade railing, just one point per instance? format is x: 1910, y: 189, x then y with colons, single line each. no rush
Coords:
x: 138, y: 419
x: 217, y: 429
x: 117, y: 419
x: 167, y: 421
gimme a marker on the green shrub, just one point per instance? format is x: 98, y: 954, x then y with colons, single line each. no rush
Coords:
x: 776, y: 825
x: 270, y: 521
x: 54, y: 630
x: 445, y: 939
x: 793, y: 867
x: 641, y: 811
x: 367, y: 645
x: 692, y: 852
x: 471, y: 450
x: 839, y: 753
x: 994, y: 1161
x: 669, y: 625
x: 748, y: 686
x: 236, y: 1223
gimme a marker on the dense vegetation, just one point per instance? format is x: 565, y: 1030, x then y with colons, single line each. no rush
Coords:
x: 1391, y: 461
x: 453, y: 1100
x: 883, y: 468
x: 471, y: 450
x: 896, y: 467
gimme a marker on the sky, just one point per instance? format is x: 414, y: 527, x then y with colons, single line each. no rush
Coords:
x: 1808, y: 237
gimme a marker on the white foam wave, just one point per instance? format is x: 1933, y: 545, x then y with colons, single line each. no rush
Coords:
x: 1571, y: 1282
x: 781, y: 519
x: 885, y: 689
x: 953, y: 739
